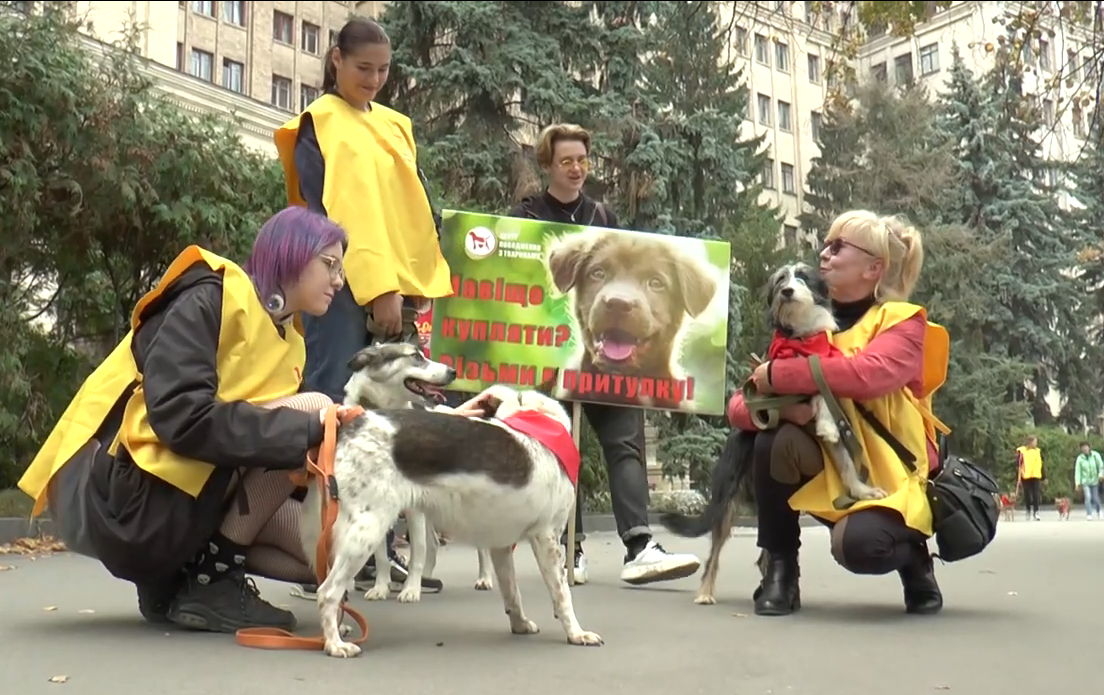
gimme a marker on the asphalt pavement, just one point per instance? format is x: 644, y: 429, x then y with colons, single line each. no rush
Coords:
x: 1024, y: 617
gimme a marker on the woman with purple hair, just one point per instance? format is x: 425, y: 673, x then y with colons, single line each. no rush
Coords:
x: 170, y: 466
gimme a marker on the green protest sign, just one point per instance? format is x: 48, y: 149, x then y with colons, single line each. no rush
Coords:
x: 587, y: 313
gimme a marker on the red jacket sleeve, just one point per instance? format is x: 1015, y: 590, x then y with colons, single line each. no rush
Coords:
x: 890, y: 362
x: 738, y: 415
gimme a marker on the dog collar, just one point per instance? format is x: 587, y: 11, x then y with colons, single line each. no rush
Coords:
x: 552, y: 434
x: 783, y: 347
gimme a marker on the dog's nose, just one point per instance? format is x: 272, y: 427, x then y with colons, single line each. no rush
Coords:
x: 451, y: 373
x: 620, y: 304
x: 787, y: 292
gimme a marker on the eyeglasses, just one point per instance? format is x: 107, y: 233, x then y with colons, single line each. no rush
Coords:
x: 568, y: 162
x: 836, y: 245
x: 337, y: 272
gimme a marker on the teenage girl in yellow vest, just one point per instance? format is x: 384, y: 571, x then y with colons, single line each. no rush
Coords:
x: 1029, y: 466
x: 170, y: 466
x: 893, y: 361
x: 356, y: 162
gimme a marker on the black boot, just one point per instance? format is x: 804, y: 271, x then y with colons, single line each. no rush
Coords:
x: 778, y: 592
x: 218, y: 597
x: 154, y: 599
x: 922, y: 595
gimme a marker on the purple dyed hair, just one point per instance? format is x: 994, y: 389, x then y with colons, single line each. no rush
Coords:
x: 286, y: 244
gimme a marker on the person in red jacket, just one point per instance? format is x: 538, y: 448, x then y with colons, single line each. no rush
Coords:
x: 871, y: 265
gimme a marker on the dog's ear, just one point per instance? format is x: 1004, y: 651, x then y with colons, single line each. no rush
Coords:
x: 566, y: 259
x: 696, y: 283
x: 368, y: 357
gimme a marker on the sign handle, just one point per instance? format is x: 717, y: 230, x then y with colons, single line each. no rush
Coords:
x: 569, y: 550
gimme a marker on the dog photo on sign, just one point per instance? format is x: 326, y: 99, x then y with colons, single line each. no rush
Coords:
x: 633, y: 299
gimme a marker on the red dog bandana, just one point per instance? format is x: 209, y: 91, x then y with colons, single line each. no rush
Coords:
x: 551, y: 434
x: 782, y: 347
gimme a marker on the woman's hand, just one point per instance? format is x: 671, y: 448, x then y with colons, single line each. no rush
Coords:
x: 799, y: 414
x: 760, y: 378
x: 473, y: 407
x: 342, y: 411
x: 387, y: 314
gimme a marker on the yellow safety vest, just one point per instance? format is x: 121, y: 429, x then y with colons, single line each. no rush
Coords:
x: 254, y: 363
x: 373, y: 191
x: 1032, y: 463
x: 907, y: 415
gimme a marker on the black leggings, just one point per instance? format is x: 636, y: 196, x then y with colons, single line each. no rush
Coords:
x: 1033, y: 494
x: 870, y: 541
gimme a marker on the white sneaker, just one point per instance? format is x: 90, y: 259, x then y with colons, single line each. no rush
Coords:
x: 580, y: 566
x: 654, y: 564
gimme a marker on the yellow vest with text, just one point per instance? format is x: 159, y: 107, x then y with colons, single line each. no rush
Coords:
x: 906, y: 414
x: 254, y: 363
x: 373, y: 191
x: 1032, y: 463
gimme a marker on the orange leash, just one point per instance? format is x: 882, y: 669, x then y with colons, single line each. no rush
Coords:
x: 319, y: 472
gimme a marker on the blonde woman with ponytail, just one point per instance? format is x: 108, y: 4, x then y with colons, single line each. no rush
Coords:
x: 355, y: 161
x: 893, y: 361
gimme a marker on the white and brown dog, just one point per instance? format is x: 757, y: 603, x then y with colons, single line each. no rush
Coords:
x: 490, y: 484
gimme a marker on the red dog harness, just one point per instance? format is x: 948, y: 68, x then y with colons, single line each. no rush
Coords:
x: 782, y: 347
x: 552, y: 434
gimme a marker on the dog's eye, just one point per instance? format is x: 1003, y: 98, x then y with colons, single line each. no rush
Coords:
x: 657, y: 284
x: 597, y: 273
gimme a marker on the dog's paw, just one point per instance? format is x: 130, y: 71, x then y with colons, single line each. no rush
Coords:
x: 345, y: 630
x: 484, y: 584
x: 870, y: 493
x: 524, y: 626
x: 586, y: 639
x: 410, y: 594
x: 705, y: 600
x: 827, y: 432
x: 342, y: 650
x: 377, y: 593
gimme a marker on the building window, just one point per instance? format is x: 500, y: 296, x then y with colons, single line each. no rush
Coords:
x: 788, y: 178
x: 741, y: 41
x: 785, y: 117
x: 202, y: 65
x: 782, y: 56
x: 929, y: 59
x: 902, y: 69
x: 309, y: 38
x: 1048, y: 112
x: 879, y: 73
x: 234, y: 13
x: 1046, y: 55
x: 233, y: 75
x: 1078, y: 122
x: 207, y: 9
x: 307, y: 95
x: 789, y: 235
x: 816, y: 122
x: 333, y: 38
x: 762, y: 50
x: 767, y: 177
x: 764, y: 103
x: 814, y: 69
x: 179, y: 56
x: 281, y: 92
x: 282, y: 28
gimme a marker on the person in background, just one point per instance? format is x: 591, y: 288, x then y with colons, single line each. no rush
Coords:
x: 1029, y: 465
x: 563, y: 153
x: 1088, y: 471
x: 355, y: 161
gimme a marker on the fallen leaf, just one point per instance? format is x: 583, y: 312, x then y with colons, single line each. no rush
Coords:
x: 59, y: 679
x: 49, y: 609
x: 5, y: 568
x: 32, y: 546
x: 86, y: 611
x: 739, y: 615
x: 1013, y: 593
x: 942, y: 687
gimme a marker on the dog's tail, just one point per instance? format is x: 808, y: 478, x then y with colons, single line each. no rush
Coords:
x: 729, y: 475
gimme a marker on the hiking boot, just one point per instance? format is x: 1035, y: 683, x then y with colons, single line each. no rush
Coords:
x: 154, y: 602
x: 922, y: 594
x: 228, y: 604
x: 778, y: 593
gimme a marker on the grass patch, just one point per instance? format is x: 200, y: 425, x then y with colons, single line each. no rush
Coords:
x: 15, y: 503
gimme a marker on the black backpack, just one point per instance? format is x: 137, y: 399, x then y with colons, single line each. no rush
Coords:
x: 964, y: 498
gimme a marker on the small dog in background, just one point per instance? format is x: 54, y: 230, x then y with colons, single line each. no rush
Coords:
x: 1062, y: 504
x: 1008, y: 506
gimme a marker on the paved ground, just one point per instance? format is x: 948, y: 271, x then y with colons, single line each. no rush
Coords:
x: 1034, y: 595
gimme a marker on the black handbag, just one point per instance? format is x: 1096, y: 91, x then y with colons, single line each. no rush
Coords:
x: 964, y: 498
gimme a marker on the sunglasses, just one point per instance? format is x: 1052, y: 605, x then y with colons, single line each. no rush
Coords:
x: 568, y: 162
x: 836, y: 245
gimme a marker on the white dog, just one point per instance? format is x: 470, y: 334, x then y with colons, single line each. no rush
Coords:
x: 489, y: 484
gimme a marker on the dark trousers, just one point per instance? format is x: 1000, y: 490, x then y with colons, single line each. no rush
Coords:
x: 620, y: 432
x: 869, y: 541
x: 1033, y: 494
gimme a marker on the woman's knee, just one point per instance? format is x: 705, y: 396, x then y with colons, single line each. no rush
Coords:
x: 869, y: 542
x: 791, y: 454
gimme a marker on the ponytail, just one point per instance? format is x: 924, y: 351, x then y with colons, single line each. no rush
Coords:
x: 329, y: 72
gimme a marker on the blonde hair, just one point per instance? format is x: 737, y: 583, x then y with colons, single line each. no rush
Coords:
x: 559, y: 132
x: 895, y: 242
